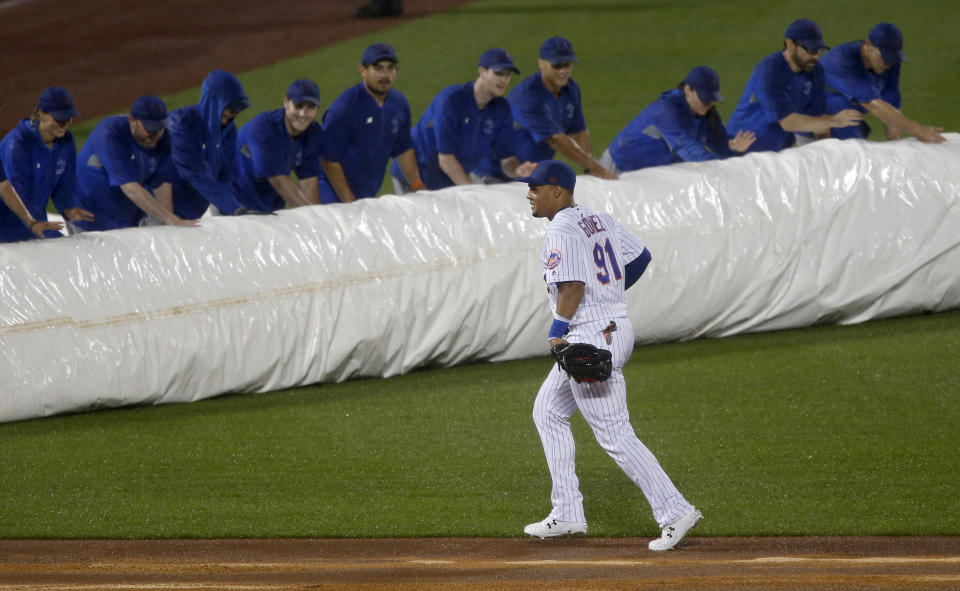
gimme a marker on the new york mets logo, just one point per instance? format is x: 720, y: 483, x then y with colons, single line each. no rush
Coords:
x: 553, y: 259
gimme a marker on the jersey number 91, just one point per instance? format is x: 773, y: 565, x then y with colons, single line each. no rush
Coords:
x: 606, y: 262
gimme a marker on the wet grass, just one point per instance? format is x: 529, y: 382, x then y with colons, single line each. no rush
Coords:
x: 821, y: 431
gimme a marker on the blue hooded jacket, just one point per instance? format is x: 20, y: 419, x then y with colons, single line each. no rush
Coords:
x: 203, y: 149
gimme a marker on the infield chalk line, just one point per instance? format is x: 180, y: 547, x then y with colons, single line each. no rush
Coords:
x: 868, y: 560
x: 575, y: 563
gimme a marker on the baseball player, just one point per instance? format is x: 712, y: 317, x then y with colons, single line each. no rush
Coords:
x: 39, y: 160
x: 366, y: 125
x: 124, y: 172
x: 548, y: 116
x: 865, y: 75
x: 203, y: 138
x: 275, y: 143
x: 461, y: 124
x: 786, y: 95
x: 683, y: 125
x: 588, y: 261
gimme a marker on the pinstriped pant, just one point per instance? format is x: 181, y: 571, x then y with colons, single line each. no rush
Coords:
x: 604, y: 407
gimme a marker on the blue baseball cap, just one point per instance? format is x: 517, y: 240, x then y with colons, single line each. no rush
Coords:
x: 58, y: 103
x: 304, y: 91
x: 377, y: 52
x: 889, y: 40
x: 551, y: 172
x: 706, y: 82
x: 497, y: 60
x: 151, y: 111
x: 557, y: 50
x: 806, y: 33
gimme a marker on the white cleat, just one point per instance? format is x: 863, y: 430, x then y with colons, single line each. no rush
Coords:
x: 673, y: 533
x: 551, y: 528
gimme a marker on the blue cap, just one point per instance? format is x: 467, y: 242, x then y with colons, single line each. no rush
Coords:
x: 706, y: 82
x: 151, y: 111
x: 889, y: 40
x: 377, y: 52
x: 304, y: 91
x: 497, y: 60
x: 807, y: 33
x: 58, y: 103
x: 557, y: 50
x: 551, y: 172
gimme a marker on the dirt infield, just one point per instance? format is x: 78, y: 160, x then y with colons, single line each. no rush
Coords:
x: 877, y: 563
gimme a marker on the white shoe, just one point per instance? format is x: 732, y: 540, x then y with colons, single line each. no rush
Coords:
x: 673, y: 533
x: 551, y: 528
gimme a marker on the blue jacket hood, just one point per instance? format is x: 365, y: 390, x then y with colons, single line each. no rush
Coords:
x: 219, y: 89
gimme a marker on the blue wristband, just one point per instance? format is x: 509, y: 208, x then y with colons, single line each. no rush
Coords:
x: 558, y: 329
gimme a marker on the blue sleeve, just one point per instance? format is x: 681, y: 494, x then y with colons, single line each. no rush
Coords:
x: 216, y: 193
x: 446, y: 126
x: 65, y: 190
x: 310, y: 162
x: 680, y: 130
x: 17, y: 167
x: 187, y: 154
x: 635, y: 268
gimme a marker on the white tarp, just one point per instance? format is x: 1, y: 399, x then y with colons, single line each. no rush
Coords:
x: 831, y: 232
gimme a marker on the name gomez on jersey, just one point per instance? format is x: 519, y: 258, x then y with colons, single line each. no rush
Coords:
x: 590, y: 247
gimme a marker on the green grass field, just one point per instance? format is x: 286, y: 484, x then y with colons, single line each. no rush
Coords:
x: 822, y: 431
x: 827, y: 430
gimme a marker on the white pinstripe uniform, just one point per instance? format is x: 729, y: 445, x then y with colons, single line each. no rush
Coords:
x: 593, y: 248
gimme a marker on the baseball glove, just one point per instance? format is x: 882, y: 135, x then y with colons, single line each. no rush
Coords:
x: 583, y: 362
